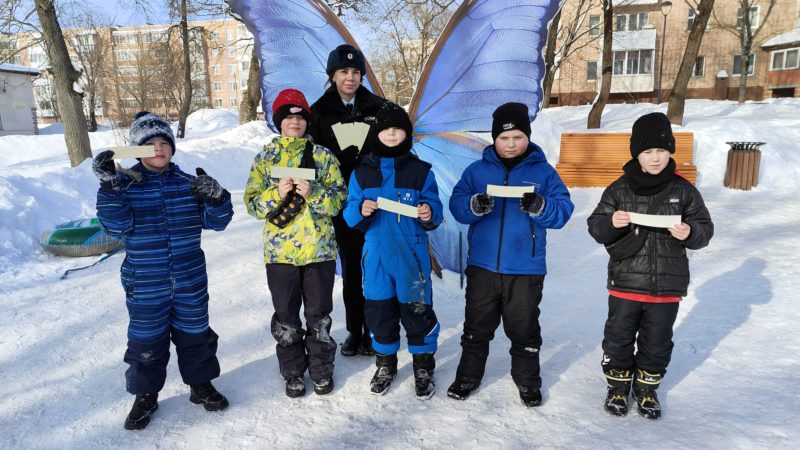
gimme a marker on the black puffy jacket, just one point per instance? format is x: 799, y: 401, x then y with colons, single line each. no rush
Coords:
x: 329, y: 110
x: 661, y: 266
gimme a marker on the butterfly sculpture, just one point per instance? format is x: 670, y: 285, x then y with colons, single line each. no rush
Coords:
x: 489, y: 53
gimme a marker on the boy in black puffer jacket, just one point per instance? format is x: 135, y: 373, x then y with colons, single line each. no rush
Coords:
x: 646, y: 284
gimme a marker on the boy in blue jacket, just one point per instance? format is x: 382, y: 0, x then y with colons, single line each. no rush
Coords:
x: 396, y: 261
x: 160, y: 212
x: 506, y: 262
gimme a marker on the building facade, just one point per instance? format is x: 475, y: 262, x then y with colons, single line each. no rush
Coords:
x: 642, y: 33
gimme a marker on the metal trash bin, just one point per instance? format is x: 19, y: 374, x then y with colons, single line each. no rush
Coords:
x: 744, y: 160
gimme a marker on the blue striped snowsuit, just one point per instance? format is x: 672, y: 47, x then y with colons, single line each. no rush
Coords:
x: 396, y: 262
x: 164, y: 274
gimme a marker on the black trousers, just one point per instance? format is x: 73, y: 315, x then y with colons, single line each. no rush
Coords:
x: 648, y: 326
x: 351, y: 244
x: 310, y: 286
x: 515, y: 299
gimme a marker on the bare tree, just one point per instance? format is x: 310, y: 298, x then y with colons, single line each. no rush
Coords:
x: 407, y: 30
x: 596, y: 113
x: 65, y: 79
x: 677, y: 96
x: 746, y: 32
x: 89, y: 46
x: 565, y: 38
x: 180, y: 8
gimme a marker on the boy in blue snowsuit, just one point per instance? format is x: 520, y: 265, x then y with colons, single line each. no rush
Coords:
x: 160, y: 212
x: 506, y: 262
x: 396, y: 260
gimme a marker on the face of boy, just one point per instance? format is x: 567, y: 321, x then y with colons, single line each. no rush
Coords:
x: 163, y: 155
x: 510, y: 144
x: 654, y: 160
x: 392, y: 137
x: 293, y: 125
x: 347, y: 81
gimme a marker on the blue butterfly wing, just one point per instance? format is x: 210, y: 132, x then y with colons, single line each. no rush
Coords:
x: 293, y: 39
x: 490, y: 53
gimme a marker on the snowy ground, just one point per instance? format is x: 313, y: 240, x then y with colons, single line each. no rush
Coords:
x: 732, y: 382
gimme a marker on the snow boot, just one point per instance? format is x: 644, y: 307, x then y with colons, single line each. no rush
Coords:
x: 644, y: 391
x: 205, y: 394
x: 295, y: 387
x: 384, y: 375
x: 460, y: 390
x: 351, y: 344
x: 619, y: 385
x: 424, y: 363
x: 365, y: 348
x: 143, y: 407
x: 323, y: 386
x: 530, y: 396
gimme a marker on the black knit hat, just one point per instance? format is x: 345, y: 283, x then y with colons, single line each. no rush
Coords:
x: 147, y: 126
x: 652, y: 131
x: 390, y: 115
x: 511, y: 116
x: 343, y: 56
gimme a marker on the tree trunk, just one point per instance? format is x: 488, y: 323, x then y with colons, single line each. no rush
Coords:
x: 64, y: 75
x: 550, y: 59
x: 187, y: 74
x: 605, y: 85
x: 746, y: 45
x: 677, y: 96
x: 248, y: 110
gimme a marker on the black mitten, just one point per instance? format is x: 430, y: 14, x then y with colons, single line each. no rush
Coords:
x: 207, y: 189
x: 103, y: 168
x: 481, y: 204
x: 532, y: 203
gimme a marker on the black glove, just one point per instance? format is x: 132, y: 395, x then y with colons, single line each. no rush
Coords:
x: 481, y: 204
x: 103, y: 168
x: 349, y: 155
x: 532, y: 203
x: 207, y: 189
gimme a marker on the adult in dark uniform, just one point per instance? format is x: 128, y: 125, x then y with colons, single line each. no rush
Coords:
x: 346, y: 100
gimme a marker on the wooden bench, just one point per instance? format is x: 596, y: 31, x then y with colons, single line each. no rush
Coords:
x: 596, y: 159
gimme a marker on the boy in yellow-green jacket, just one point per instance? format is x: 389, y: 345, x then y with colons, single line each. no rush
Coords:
x: 299, y: 243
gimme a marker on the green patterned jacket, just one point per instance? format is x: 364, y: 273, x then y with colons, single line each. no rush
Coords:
x: 309, y: 238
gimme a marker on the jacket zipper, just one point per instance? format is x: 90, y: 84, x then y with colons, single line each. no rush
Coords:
x: 533, y: 236
x: 502, y: 221
x: 653, y: 262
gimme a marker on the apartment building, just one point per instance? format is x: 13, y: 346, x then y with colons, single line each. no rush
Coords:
x: 644, y: 31
x: 133, y: 68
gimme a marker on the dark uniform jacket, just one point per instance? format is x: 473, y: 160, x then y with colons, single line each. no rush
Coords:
x: 661, y: 267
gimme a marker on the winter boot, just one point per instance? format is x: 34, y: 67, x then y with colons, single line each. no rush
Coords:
x: 365, y: 348
x: 144, y: 406
x: 351, y: 344
x: 530, y: 396
x: 295, y: 387
x: 460, y: 390
x: 644, y: 391
x: 424, y: 363
x: 205, y: 394
x: 384, y: 375
x: 619, y: 385
x: 323, y: 386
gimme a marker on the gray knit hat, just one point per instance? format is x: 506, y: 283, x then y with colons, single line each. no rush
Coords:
x: 147, y: 126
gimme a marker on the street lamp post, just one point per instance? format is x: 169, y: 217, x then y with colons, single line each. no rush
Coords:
x: 666, y: 7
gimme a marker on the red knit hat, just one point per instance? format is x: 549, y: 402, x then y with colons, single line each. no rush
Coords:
x: 289, y: 102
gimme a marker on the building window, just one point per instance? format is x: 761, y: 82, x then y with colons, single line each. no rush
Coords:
x: 594, y: 25
x: 233, y: 85
x: 234, y: 102
x: 231, y: 69
x: 245, y: 65
x: 244, y: 83
x: 737, y: 64
x: 215, y: 53
x: 218, y: 103
x: 124, y: 55
x: 633, y: 62
x: 214, y: 70
x: 622, y: 21
x: 591, y: 70
x: 231, y: 51
x: 217, y: 86
x: 699, y: 67
x: 753, y: 17
x: 785, y: 59
x: 690, y: 19
x: 631, y: 22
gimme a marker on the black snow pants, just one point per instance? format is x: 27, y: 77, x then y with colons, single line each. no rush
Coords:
x: 515, y: 299
x: 310, y: 286
x: 648, y: 326
x: 351, y: 244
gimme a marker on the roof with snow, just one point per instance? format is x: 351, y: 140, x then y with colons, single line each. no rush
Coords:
x: 13, y: 68
x: 791, y: 37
